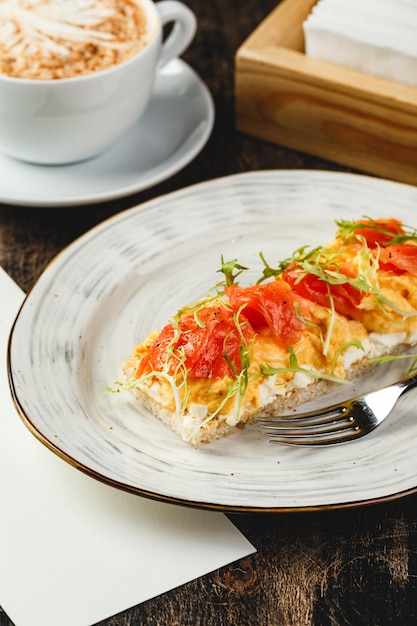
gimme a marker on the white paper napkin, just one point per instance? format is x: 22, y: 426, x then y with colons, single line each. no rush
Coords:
x: 373, y: 36
x: 75, y: 551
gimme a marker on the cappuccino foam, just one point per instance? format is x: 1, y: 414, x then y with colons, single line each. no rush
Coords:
x: 52, y: 39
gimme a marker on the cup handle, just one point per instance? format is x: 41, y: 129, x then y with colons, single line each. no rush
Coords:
x: 183, y: 30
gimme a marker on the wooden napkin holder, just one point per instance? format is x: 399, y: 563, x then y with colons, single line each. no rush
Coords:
x: 345, y: 116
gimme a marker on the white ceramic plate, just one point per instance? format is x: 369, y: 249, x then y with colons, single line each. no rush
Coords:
x: 174, y: 128
x: 107, y: 290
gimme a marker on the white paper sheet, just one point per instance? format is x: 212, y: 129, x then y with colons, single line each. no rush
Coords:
x: 75, y: 551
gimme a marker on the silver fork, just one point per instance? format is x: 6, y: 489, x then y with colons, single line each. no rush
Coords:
x: 339, y: 423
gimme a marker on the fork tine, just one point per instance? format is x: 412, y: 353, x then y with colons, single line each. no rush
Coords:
x: 317, y: 439
x: 305, y: 419
x: 325, y: 428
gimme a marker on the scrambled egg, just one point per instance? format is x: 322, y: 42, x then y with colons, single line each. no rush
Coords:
x: 401, y: 290
x: 206, y: 395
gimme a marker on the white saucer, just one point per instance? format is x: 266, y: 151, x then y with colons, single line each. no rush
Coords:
x: 172, y: 131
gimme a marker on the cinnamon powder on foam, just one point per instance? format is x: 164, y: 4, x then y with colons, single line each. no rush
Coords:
x: 51, y: 39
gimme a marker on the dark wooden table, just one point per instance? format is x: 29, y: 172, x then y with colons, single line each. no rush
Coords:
x: 341, y: 567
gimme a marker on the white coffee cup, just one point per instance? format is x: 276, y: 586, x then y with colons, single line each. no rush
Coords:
x: 67, y: 120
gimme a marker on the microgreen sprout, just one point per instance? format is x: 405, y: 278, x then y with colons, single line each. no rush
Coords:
x: 195, y: 310
x: 307, y: 322
x: 269, y: 272
x: 177, y: 380
x: 355, y: 343
x: 348, y: 229
x: 396, y: 357
x: 324, y: 265
x: 294, y: 366
x: 239, y: 385
x: 231, y: 270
